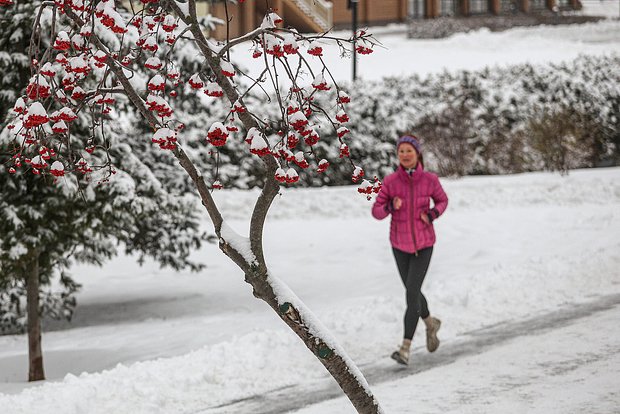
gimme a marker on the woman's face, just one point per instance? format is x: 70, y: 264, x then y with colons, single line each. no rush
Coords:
x: 407, y: 155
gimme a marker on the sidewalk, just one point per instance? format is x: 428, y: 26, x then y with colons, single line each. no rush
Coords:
x: 572, y: 368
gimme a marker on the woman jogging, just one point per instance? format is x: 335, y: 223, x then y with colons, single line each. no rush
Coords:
x: 406, y: 195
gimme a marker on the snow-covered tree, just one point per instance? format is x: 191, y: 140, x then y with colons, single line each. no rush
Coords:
x: 90, y: 69
x: 50, y: 220
x: 15, y: 29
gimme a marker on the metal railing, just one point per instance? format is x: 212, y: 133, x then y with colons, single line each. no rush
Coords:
x: 319, y: 10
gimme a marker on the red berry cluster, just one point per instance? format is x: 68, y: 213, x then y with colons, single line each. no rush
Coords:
x: 217, y: 134
x: 363, y: 50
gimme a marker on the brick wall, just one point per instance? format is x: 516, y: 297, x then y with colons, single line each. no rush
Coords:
x: 370, y: 11
x: 385, y: 10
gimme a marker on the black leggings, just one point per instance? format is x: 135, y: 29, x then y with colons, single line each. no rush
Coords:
x: 412, y: 271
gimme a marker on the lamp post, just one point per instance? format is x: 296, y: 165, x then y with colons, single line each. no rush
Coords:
x: 352, y: 4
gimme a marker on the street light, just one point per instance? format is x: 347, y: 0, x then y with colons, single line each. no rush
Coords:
x: 352, y: 4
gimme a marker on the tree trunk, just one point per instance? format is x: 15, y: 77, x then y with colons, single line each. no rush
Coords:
x: 309, y: 329
x: 337, y: 363
x: 35, y: 354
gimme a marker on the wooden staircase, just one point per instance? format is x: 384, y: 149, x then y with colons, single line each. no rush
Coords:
x: 304, y: 15
x: 320, y: 11
x: 307, y: 16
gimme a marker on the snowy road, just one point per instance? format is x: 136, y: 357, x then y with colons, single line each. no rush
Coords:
x: 511, y: 367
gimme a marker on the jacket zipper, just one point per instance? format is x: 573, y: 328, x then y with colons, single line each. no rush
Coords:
x: 415, y: 248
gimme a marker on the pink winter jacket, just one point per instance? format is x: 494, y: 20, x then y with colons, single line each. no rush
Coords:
x: 407, y: 231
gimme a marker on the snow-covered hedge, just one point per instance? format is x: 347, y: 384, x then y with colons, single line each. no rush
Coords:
x: 495, y: 121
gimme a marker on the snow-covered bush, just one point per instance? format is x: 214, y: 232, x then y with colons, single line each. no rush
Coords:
x: 49, y: 221
x: 493, y: 121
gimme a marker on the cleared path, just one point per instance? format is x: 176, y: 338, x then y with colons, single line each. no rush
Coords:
x: 473, y: 343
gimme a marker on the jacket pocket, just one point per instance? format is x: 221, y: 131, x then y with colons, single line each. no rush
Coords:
x: 400, y: 230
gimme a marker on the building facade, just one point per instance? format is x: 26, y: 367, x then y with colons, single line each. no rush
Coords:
x: 322, y: 15
x: 373, y: 12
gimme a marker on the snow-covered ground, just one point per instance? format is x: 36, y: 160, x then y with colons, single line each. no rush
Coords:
x: 510, y: 248
x: 607, y: 8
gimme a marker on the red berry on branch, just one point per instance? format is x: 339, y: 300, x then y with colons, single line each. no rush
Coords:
x: 57, y: 169
x: 323, y: 165
x: 342, y: 117
x: 343, y: 98
x: 316, y: 51
x: 291, y: 176
x: 217, y: 134
x: 195, y: 82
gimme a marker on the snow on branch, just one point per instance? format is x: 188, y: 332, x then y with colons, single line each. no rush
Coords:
x: 98, y: 51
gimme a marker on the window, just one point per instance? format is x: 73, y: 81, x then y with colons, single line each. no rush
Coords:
x: 478, y: 6
x: 449, y: 7
x: 538, y: 4
x: 509, y: 6
x: 416, y: 9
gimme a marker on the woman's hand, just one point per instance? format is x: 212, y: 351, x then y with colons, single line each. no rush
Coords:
x: 424, y: 217
x: 397, y: 203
